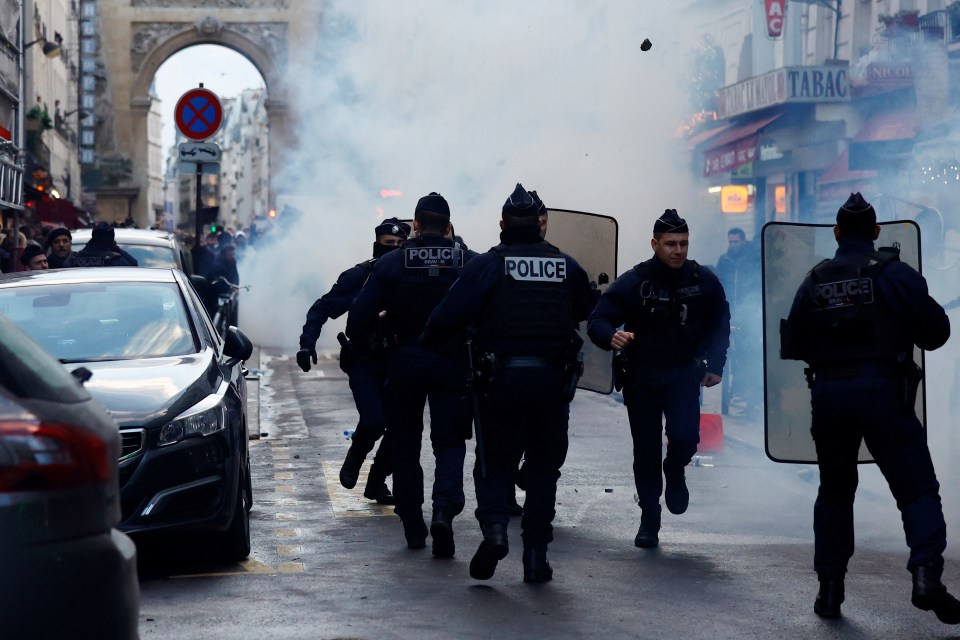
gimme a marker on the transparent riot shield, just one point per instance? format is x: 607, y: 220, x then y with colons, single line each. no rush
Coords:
x: 592, y: 241
x: 789, y: 252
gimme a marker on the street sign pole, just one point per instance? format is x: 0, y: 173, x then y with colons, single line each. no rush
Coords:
x: 198, y: 225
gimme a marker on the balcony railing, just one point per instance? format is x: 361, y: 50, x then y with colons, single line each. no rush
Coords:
x: 944, y: 23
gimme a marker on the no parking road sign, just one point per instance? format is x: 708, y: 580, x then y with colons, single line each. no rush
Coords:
x: 198, y: 114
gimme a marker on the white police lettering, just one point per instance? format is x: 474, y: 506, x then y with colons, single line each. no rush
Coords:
x: 429, y: 258
x: 536, y: 269
x: 689, y: 292
x: 833, y: 295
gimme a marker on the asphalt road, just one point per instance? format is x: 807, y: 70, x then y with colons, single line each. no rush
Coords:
x: 328, y: 564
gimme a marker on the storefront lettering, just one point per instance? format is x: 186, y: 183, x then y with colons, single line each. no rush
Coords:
x: 782, y: 86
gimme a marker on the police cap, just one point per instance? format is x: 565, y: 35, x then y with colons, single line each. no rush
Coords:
x: 434, y: 203
x: 103, y: 230
x: 393, y: 227
x: 856, y: 217
x: 520, y: 204
x: 541, y: 208
x: 670, y: 222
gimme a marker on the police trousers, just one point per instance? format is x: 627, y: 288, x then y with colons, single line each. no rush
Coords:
x: 415, y: 377
x: 368, y: 376
x: 870, y: 409
x: 521, y: 407
x: 650, y: 396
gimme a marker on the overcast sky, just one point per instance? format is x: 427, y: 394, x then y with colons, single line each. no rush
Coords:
x: 222, y: 70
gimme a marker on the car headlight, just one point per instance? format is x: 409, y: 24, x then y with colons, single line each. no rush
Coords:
x: 197, y: 424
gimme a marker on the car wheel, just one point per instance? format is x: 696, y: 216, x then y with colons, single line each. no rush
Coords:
x: 234, y: 544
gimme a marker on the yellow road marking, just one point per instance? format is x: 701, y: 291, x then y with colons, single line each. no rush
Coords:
x: 287, y: 533
x: 350, y: 503
x: 291, y: 567
x: 287, y: 516
x: 284, y: 488
x: 289, y: 550
x: 281, y: 456
x: 283, y: 475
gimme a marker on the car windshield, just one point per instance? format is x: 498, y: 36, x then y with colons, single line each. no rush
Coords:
x: 80, y: 322
x: 146, y: 255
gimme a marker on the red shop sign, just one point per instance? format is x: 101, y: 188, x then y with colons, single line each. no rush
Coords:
x: 775, y: 10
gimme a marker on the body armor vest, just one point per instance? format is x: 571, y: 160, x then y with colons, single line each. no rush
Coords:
x: 532, y: 298
x: 846, y: 321
x: 429, y: 266
x: 672, y: 323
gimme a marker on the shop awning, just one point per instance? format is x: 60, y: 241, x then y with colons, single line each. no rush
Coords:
x: 739, y: 132
x: 699, y: 138
x: 60, y: 212
x: 883, y: 140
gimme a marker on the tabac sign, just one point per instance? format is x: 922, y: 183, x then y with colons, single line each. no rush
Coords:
x: 829, y: 83
x: 774, y: 12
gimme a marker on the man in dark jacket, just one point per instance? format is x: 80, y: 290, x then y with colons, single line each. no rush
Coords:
x: 102, y: 250
x: 855, y: 321
x: 676, y: 330
x: 525, y: 297
x: 365, y: 362
x: 60, y: 253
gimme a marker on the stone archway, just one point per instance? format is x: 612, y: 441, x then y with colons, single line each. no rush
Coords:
x: 137, y: 36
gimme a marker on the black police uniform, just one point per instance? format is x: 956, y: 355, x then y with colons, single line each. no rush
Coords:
x: 681, y: 324
x: 408, y: 284
x: 365, y: 363
x: 855, y: 320
x: 101, y: 254
x: 526, y: 298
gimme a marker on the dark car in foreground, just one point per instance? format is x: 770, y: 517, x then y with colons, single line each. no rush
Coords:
x: 65, y: 570
x: 152, y: 249
x: 174, y: 386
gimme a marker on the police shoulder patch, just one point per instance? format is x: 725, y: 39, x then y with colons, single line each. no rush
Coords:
x: 537, y: 269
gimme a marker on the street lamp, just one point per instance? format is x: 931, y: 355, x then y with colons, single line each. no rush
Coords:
x: 50, y: 49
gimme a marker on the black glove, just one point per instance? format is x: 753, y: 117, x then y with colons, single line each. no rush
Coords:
x: 304, y: 356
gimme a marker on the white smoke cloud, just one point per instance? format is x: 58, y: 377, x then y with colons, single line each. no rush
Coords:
x: 467, y: 99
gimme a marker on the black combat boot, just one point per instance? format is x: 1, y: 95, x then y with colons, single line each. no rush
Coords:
x: 535, y: 565
x: 676, y: 494
x: 350, y: 470
x: 647, y: 537
x: 930, y: 594
x: 415, y: 531
x: 829, y: 599
x: 376, y: 488
x: 492, y: 550
x: 441, y: 530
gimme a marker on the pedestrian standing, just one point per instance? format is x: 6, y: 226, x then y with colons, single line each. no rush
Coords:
x: 406, y: 285
x: 365, y: 363
x: 676, y: 330
x: 525, y: 298
x: 855, y: 321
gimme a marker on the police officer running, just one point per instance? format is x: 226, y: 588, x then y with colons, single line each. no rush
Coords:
x: 676, y: 330
x: 526, y: 298
x: 364, y: 361
x: 859, y: 343
x: 407, y: 285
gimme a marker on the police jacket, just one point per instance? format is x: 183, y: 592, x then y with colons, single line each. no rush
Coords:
x: 678, y: 316
x: 525, y: 296
x: 103, y: 254
x: 407, y: 284
x: 862, y: 306
x: 335, y: 302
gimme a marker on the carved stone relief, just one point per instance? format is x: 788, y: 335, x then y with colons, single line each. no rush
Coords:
x: 271, y: 37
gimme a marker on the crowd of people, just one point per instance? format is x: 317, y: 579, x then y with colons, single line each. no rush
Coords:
x: 491, y: 343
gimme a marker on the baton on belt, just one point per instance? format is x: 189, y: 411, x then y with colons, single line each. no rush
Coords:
x: 472, y: 385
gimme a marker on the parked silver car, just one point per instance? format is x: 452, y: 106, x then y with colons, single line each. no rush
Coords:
x: 65, y: 570
x: 159, y: 249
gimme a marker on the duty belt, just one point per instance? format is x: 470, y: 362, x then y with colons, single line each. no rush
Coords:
x: 856, y: 370
x: 526, y: 361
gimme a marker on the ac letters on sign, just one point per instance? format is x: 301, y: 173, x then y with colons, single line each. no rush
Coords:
x: 432, y: 258
x: 536, y: 269
x: 833, y: 295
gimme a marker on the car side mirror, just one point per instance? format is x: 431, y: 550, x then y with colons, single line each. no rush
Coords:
x: 236, y: 345
x: 82, y: 374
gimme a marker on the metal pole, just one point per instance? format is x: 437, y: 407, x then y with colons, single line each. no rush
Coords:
x: 836, y: 32
x: 198, y: 225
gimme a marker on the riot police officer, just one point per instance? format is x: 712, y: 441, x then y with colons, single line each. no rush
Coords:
x: 676, y: 330
x: 855, y: 321
x: 526, y: 298
x: 364, y: 361
x: 102, y: 250
x: 407, y: 285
